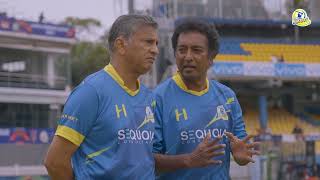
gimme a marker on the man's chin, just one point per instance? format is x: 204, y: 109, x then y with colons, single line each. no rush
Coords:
x: 188, y: 76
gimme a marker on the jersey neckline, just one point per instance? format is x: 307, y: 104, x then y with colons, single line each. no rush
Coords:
x: 178, y: 80
x: 116, y: 77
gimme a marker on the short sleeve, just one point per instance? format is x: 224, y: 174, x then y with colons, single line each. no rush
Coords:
x: 79, y: 114
x: 238, y: 128
x: 158, y: 144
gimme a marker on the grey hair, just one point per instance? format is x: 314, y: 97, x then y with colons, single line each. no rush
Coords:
x: 126, y: 25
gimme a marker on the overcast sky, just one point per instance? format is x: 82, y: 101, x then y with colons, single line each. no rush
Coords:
x: 56, y: 10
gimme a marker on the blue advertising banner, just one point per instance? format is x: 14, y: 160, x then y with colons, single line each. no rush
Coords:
x: 42, y: 29
x: 231, y: 69
x: 312, y: 70
x: 26, y: 135
x: 256, y: 69
x: 290, y: 70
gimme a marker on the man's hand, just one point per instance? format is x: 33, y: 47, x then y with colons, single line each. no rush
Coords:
x: 241, y: 150
x: 205, y: 151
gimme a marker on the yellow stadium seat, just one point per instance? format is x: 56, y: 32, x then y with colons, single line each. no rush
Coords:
x: 280, y: 122
x: 261, y: 52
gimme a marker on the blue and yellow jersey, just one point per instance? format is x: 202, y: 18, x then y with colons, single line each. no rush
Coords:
x: 113, y: 127
x: 184, y: 117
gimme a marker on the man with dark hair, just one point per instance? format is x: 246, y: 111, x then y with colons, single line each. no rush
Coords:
x: 191, y: 110
x: 107, y: 126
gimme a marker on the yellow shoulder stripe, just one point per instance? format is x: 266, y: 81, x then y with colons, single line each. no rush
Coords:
x: 70, y: 134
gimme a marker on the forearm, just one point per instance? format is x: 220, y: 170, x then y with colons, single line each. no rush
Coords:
x: 165, y: 163
x: 58, y: 159
x: 60, y: 172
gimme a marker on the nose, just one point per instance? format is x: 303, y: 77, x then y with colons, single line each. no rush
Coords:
x: 154, y: 49
x: 188, y: 56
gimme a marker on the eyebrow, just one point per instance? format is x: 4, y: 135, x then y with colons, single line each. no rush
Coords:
x: 194, y: 46
x: 149, y: 38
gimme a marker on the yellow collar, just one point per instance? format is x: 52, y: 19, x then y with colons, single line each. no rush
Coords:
x: 178, y: 80
x: 113, y: 73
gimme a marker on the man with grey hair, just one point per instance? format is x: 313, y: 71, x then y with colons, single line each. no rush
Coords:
x: 106, y: 128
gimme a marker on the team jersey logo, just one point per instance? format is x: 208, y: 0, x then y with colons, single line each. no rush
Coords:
x: 135, y: 136
x: 138, y: 136
x: 181, y: 114
x: 121, y: 110
x: 68, y: 117
x: 190, y: 136
x: 197, y: 135
x: 220, y: 115
x: 149, y: 118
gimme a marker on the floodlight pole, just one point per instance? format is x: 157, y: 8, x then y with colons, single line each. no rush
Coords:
x: 131, y: 6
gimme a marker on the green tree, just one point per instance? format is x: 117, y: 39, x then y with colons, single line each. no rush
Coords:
x: 82, y: 25
x: 87, y: 58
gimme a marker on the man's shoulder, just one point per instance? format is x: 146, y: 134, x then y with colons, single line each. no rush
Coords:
x: 164, y: 87
x: 144, y: 88
x: 96, y: 79
x: 102, y: 82
x: 145, y: 92
x: 91, y: 86
x: 221, y: 88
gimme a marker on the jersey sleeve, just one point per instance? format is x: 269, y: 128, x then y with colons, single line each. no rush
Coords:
x: 79, y: 114
x: 158, y: 143
x: 238, y: 126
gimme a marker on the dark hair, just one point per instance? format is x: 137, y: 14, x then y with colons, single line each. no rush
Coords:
x: 126, y: 25
x: 198, y: 25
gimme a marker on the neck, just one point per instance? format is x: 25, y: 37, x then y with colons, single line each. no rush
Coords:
x: 196, y: 85
x: 126, y: 73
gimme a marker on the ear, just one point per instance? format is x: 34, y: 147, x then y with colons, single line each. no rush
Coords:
x: 120, y: 45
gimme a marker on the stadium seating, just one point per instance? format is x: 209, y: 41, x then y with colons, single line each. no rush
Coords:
x: 279, y: 121
x: 262, y: 50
